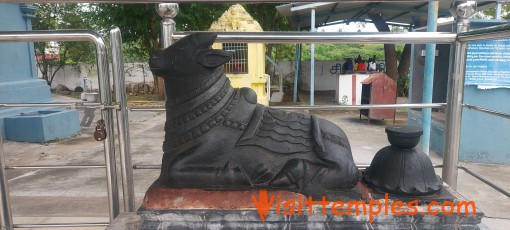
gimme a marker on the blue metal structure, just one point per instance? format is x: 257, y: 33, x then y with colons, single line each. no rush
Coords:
x: 19, y: 82
x: 428, y: 78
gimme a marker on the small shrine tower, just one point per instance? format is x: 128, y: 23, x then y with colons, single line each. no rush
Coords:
x: 247, y: 67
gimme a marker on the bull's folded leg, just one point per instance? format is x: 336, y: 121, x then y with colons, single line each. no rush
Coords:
x: 226, y: 177
x: 300, y: 176
x: 311, y: 179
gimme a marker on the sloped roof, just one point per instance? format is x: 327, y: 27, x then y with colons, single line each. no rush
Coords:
x: 374, y: 77
x: 345, y: 12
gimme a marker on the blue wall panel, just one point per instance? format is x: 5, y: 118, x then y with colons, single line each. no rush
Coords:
x: 19, y: 84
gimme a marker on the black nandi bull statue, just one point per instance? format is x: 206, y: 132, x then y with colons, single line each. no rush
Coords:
x: 219, y: 138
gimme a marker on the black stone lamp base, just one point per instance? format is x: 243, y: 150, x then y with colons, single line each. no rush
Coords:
x: 400, y: 168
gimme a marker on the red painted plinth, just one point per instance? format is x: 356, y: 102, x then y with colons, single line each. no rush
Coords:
x: 163, y: 198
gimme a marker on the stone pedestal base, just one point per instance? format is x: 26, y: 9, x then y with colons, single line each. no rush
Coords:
x: 167, y: 208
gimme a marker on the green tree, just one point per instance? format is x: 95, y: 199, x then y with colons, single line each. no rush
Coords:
x: 270, y: 20
x: 338, y: 52
x: 52, y: 58
x: 198, y: 16
x: 394, y: 67
x: 140, y: 23
x: 490, y: 13
x: 140, y: 26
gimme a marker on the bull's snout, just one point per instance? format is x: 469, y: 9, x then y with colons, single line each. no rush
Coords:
x: 156, y: 63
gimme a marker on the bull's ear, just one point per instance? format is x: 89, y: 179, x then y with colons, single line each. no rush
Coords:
x: 212, y: 58
x: 204, y: 40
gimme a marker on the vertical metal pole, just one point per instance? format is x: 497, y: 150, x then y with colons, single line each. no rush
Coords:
x: 461, y: 10
x: 312, y: 61
x: 268, y: 88
x: 411, y: 76
x: 300, y: 73
x: 428, y: 77
x: 167, y: 11
x: 498, y: 10
x: 107, y: 115
x: 296, y: 70
x: 5, y: 205
x: 280, y: 80
x: 126, y: 166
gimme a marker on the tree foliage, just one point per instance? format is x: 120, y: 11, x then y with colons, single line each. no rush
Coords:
x: 396, y: 64
x: 267, y: 16
x: 139, y: 24
x: 198, y: 16
x: 58, y: 17
x: 332, y: 52
x: 270, y: 20
x: 490, y: 13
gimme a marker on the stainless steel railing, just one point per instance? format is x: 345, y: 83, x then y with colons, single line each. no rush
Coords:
x: 206, y: 1
x: 105, y: 105
x: 489, y: 111
x: 327, y: 107
x: 329, y: 37
x: 454, y: 108
x: 122, y: 120
x: 5, y: 207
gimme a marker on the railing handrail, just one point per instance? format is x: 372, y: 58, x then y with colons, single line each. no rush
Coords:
x: 332, y: 37
x: 488, y: 111
x: 488, y: 33
x: 105, y: 98
x: 330, y: 107
x: 267, y: 37
x: 206, y: 1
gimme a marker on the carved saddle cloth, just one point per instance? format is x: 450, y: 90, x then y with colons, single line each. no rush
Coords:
x: 280, y: 132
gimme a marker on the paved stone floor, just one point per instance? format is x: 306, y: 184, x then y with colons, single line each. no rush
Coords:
x: 43, y: 196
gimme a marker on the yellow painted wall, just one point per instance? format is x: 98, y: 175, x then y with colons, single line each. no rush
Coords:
x: 237, y: 19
